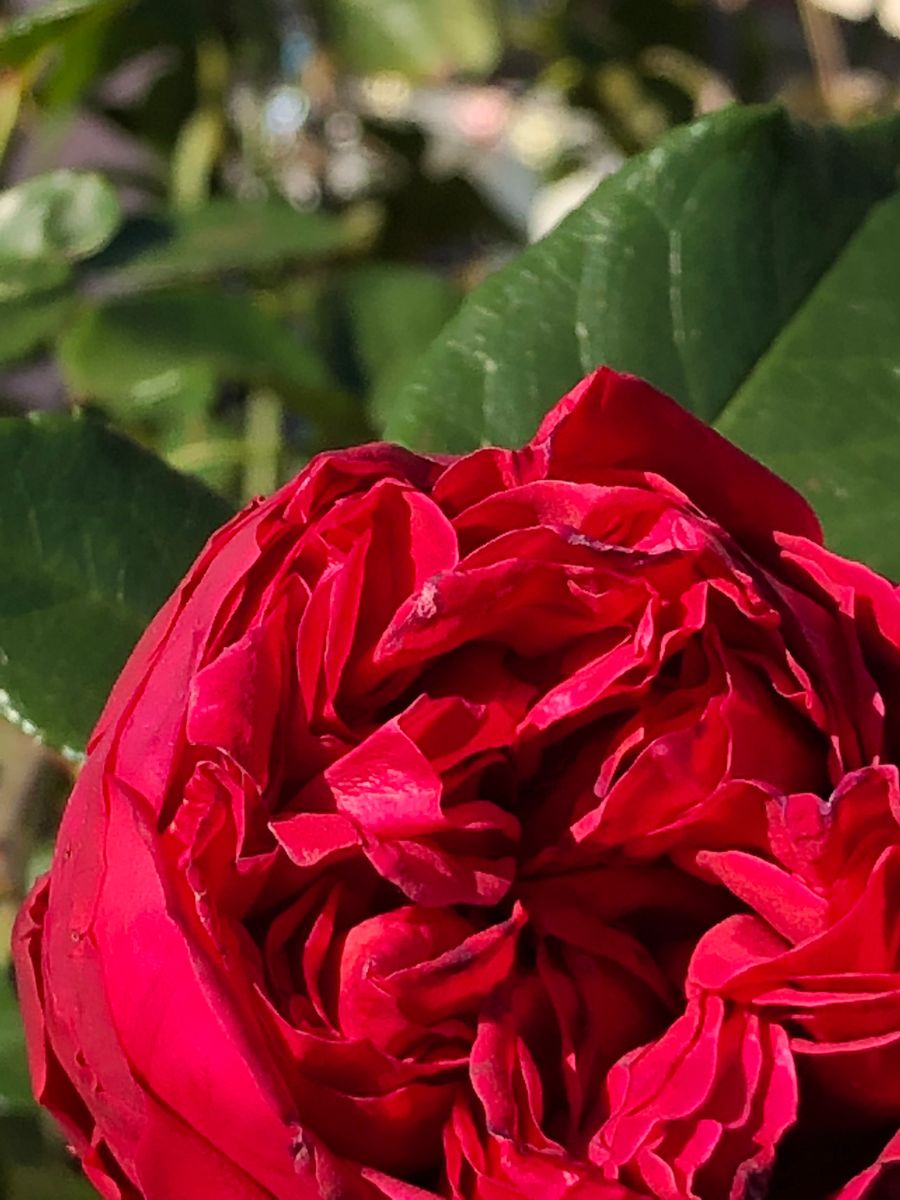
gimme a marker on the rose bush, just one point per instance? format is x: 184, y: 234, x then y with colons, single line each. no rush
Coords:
x: 517, y: 825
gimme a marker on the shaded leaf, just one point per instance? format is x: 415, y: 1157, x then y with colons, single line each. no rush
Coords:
x: 94, y: 534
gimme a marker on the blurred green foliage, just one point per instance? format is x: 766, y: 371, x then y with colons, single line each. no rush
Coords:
x: 204, y: 200
x: 232, y: 229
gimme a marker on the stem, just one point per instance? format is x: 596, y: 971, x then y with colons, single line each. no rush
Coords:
x: 10, y: 102
x: 201, y: 139
x: 822, y: 33
x: 262, y: 437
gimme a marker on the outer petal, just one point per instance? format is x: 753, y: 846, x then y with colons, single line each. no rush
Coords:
x: 141, y: 1022
x: 612, y: 421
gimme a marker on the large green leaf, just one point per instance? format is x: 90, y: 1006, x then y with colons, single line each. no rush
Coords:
x: 94, y: 534
x: 227, y: 236
x: 24, y: 37
x: 62, y: 216
x: 418, y: 37
x: 719, y: 266
x: 823, y: 406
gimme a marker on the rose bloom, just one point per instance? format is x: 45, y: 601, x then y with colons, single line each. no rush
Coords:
x: 523, y: 824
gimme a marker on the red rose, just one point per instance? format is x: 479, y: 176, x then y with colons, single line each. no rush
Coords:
x: 518, y: 825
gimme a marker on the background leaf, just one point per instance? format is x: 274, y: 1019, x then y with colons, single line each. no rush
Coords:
x: 417, y: 37
x: 691, y: 267
x: 224, y: 235
x: 27, y: 35
x: 15, y: 1087
x: 27, y: 322
x: 94, y: 534
x: 56, y: 1182
x: 31, y: 278
x: 144, y: 350
x: 393, y: 314
x: 64, y: 215
x: 33, y: 1162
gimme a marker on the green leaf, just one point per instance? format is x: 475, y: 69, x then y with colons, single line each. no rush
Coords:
x: 94, y: 534
x: 20, y: 278
x: 148, y: 349
x: 691, y: 267
x: 34, y: 303
x: 417, y: 37
x: 24, y: 37
x: 80, y: 57
x: 823, y: 406
x: 227, y: 236
x: 15, y: 1087
x: 65, y: 215
x: 29, y: 322
x: 394, y: 313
